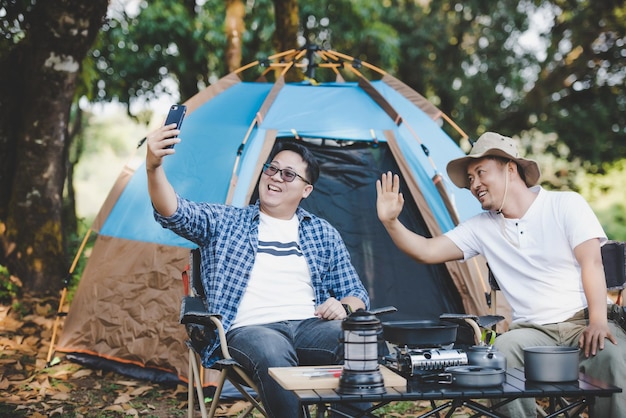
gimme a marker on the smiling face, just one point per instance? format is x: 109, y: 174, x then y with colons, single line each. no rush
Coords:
x: 487, y: 179
x: 279, y: 198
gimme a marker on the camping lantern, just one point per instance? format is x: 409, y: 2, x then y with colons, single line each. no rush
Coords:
x: 361, y: 374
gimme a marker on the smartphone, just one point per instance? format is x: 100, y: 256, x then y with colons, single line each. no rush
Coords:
x: 176, y: 115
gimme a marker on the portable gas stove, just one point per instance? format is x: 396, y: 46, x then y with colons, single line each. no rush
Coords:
x: 413, y: 363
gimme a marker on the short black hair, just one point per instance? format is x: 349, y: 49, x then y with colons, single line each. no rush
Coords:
x: 312, y: 166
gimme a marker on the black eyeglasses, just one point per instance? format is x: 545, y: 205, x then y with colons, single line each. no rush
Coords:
x: 285, y: 173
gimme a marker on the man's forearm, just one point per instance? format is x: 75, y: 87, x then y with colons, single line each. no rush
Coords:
x: 162, y: 193
x: 594, y: 286
x: 354, y: 302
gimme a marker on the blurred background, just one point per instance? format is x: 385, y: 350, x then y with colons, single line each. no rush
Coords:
x: 81, y: 83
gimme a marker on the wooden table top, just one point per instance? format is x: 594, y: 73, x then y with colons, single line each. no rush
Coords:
x: 323, y: 377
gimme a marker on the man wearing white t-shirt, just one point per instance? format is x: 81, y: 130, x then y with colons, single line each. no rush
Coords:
x: 544, y: 249
x: 280, y: 277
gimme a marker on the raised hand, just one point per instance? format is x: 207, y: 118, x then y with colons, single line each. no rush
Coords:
x: 159, y: 144
x: 389, y: 201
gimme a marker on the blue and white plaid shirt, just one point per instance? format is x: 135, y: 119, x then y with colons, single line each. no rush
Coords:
x: 228, y: 241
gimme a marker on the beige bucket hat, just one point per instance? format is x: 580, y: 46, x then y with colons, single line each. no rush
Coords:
x: 494, y: 144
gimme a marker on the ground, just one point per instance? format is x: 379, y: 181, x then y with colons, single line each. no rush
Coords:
x: 31, y: 387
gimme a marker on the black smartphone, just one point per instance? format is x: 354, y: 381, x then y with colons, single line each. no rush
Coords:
x: 176, y: 115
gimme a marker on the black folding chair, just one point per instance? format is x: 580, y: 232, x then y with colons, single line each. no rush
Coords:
x: 203, y: 328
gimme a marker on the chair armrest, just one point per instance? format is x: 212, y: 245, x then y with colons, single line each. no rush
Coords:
x: 194, y: 311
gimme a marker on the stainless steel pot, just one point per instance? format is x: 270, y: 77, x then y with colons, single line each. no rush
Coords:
x: 485, y: 356
x: 551, y: 363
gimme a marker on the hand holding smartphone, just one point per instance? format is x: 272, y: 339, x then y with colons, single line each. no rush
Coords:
x: 175, y: 115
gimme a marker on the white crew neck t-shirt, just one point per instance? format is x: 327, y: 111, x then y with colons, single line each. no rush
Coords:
x: 280, y: 285
x: 534, y: 262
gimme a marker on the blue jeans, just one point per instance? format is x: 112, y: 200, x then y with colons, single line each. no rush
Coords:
x: 309, y: 342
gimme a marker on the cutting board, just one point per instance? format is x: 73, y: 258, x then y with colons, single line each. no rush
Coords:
x: 298, y: 378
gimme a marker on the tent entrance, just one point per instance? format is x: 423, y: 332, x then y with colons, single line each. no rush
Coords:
x: 345, y: 195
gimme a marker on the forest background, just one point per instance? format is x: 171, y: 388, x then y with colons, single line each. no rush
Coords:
x: 81, y: 82
x: 550, y: 73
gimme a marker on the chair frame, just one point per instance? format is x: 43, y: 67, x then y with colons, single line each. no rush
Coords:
x: 194, y: 312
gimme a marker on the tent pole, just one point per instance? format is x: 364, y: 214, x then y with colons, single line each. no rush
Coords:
x: 454, y: 125
x: 233, y: 178
x: 66, y: 283
x: 365, y: 64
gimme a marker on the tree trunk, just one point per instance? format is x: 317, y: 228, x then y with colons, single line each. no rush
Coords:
x: 286, y: 35
x: 37, y: 85
x: 287, y: 20
x: 235, y: 12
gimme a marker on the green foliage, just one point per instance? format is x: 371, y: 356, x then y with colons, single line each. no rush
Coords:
x: 607, y: 196
x: 356, y: 28
x: 472, y: 59
x: 9, y: 289
x: 163, y: 49
x: 12, y: 25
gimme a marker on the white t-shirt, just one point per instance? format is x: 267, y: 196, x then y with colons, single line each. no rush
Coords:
x: 534, y: 263
x: 280, y: 287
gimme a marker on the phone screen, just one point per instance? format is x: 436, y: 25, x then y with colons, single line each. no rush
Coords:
x: 176, y: 115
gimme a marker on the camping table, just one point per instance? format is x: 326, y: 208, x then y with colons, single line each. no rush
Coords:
x: 312, y: 391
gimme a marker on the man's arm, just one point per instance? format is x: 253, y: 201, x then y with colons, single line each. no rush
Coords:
x: 589, y: 257
x: 334, y: 309
x: 161, y: 191
x: 389, y: 204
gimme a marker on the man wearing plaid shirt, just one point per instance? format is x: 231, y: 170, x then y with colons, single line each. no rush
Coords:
x: 280, y: 277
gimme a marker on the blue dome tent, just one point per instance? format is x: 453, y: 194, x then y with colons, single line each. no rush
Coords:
x: 125, y: 311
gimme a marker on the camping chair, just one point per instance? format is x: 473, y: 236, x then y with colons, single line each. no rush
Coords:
x: 202, y: 328
x: 614, y: 260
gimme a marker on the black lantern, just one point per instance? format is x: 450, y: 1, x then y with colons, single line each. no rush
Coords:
x: 361, y: 374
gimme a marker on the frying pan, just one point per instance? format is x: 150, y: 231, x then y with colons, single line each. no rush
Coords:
x: 470, y: 376
x: 420, y: 333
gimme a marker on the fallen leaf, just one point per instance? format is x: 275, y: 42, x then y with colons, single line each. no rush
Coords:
x: 61, y: 397
x: 124, y: 398
x: 132, y: 411
x: 127, y: 382
x: 63, y: 388
x: 11, y: 325
x: 140, y: 390
x: 42, y: 310
x: 82, y: 373
x: 115, y: 408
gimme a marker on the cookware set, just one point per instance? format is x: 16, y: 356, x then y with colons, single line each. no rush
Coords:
x: 424, y: 351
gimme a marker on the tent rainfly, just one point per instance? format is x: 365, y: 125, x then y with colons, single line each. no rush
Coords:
x: 125, y: 311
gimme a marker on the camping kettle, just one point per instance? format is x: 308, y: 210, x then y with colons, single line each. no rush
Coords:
x: 485, y: 356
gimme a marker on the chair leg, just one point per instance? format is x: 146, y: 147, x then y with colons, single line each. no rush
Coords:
x: 194, y: 378
x: 190, y: 378
x: 217, y: 394
x: 254, y: 403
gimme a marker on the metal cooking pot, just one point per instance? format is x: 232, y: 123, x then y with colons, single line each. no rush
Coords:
x: 485, y: 356
x: 470, y: 376
x: 551, y: 363
x: 420, y: 333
